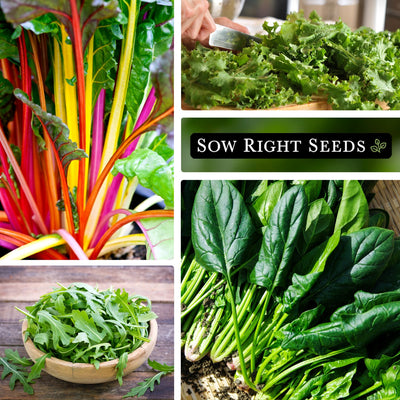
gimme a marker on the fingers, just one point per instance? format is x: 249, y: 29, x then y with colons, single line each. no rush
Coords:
x: 196, y: 18
x: 230, y: 24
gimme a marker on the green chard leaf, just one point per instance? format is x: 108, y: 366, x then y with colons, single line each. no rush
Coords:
x: 104, y: 52
x: 160, y: 234
x: 7, y: 101
x: 8, y: 45
x: 162, y: 78
x: 91, y: 13
x: 59, y: 132
x: 140, y: 75
x: 152, y: 171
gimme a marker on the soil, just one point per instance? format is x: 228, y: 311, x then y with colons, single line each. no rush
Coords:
x: 127, y: 253
x: 203, y: 376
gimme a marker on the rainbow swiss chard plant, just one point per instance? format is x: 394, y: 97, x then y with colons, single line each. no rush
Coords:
x: 86, y: 112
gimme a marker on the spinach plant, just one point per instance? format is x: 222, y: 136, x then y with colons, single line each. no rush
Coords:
x: 311, y: 311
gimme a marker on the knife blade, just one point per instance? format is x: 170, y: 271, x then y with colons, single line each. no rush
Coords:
x: 231, y: 39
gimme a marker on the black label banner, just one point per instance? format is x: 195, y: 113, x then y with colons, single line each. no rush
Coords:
x: 290, y: 145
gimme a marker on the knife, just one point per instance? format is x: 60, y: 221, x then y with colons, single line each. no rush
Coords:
x: 231, y: 39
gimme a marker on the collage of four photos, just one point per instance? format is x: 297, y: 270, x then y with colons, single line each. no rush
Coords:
x: 200, y: 199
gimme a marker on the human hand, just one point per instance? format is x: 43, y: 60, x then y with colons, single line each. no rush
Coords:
x: 197, y: 22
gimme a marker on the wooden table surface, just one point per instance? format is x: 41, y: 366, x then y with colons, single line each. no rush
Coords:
x: 22, y: 286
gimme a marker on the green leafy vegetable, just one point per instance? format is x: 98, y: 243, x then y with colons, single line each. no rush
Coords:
x: 58, y: 131
x: 300, y: 61
x: 148, y: 384
x: 84, y: 325
x: 152, y: 171
x: 21, y: 369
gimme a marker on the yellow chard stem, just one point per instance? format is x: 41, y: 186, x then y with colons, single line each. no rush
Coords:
x: 89, y: 99
x: 70, y: 105
x: 27, y: 250
x: 115, y: 120
x: 59, y: 96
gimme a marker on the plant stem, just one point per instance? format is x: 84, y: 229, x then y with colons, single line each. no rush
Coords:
x: 106, y: 170
x: 361, y: 395
x: 126, y: 220
x: 302, y: 364
x: 80, y: 75
x: 257, y: 331
x: 237, y: 335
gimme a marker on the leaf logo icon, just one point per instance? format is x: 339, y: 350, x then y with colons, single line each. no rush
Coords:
x: 378, y: 146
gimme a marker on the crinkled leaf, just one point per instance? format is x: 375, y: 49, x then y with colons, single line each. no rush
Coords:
x: 161, y: 147
x: 152, y: 171
x: 46, y: 23
x: 302, y: 284
x: 339, y: 387
x: 7, y: 101
x: 59, y: 132
x: 8, y: 44
x: 91, y: 12
x: 222, y: 229
x: 162, y: 78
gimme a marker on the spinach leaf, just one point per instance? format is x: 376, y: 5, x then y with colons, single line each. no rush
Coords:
x: 263, y: 205
x: 353, y: 209
x: 222, y: 229
x: 302, y: 284
x: 357, y: 263
x: 280, y: 237
x: 319, y: 225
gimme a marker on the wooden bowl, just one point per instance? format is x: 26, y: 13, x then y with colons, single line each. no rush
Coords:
x: 87, y: 373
